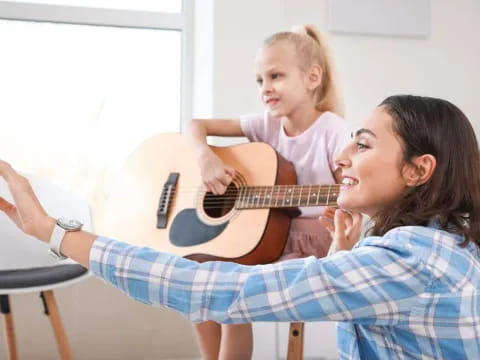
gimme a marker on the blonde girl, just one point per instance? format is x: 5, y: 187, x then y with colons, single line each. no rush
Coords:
x: 303, y: 122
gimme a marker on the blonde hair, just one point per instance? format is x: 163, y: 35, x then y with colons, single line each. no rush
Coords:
x: 311, y: 48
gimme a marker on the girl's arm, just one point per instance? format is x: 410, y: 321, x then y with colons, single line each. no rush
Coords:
x: 216, y: 176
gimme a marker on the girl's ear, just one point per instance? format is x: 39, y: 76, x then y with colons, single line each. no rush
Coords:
x: 315, y: 77
x: 419, y: 170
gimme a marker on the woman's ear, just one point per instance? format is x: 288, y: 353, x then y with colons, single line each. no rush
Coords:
x: 315, y: 77
x: 419, y: 170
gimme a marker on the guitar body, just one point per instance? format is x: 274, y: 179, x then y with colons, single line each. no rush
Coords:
x: 199, y: 226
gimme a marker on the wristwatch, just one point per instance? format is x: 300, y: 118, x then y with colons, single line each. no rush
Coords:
x: 62, y: 225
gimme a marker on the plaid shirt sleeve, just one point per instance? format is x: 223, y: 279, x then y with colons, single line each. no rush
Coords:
x: 378, y: 282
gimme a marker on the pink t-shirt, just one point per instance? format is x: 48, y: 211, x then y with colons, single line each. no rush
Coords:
x: 313, y: 152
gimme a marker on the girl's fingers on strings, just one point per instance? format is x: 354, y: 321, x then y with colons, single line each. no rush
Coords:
x: 231, y: 172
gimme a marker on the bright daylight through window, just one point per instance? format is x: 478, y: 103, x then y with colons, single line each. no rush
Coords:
x: 78, y: 98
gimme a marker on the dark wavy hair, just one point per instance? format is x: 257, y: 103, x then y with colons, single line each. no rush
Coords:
x: 451, y: 197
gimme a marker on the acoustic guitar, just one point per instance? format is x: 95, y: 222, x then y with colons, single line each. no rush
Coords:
x: 159, y: 201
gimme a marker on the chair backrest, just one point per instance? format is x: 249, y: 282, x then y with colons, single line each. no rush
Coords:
x: 18, y: 251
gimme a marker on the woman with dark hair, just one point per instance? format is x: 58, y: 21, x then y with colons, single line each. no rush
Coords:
x: 409, y: 290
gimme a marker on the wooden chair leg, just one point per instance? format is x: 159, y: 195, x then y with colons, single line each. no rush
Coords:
x: 9, y: 328
x: 56, y: 322
x: 295, y: 341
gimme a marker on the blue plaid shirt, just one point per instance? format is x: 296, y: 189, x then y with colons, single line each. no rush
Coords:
x: 411, y: 294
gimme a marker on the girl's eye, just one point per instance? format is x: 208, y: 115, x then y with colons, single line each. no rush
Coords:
x: 259, y: 81
x: 275, y: 76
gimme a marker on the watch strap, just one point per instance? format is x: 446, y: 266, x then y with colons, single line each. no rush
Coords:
x: 56, y: 242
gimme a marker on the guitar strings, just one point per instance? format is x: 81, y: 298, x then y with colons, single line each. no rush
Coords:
x: 259, y: 196
x: 275, y: 189
x: 264, y: 202
x: 212, y: 199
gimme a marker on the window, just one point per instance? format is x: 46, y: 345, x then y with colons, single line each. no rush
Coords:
x: 173, y: 6
x: 82, y: 87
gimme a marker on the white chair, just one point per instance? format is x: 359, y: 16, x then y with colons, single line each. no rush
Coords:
x: 26, y: 266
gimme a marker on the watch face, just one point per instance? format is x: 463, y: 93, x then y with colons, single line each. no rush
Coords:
x: 69, y: 224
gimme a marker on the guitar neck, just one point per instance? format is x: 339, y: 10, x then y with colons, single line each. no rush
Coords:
x: 285, y: 196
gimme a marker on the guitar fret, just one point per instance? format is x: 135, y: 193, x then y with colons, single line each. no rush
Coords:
x: 309, y: 191
x: 244, y: 197
x: 300, y: 197
x: 328, y: 195
x: 269, y: 195
x: 252, y: 198
x: 255, y: 199
x: 238, y: 200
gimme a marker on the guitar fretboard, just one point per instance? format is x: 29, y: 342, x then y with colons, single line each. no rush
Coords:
x: 283, y: 196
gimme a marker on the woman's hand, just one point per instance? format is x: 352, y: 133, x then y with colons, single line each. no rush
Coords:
x: 26, y: 212
x: 344, y: 227
x: 216, y: 176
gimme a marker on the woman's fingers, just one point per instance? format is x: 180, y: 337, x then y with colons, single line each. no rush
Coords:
x: 356, y: 226
x: 340, y: 223
x: 25, y: 211
x: 10, y: 210
x: 326, y: 219
x: 327, y: 223
x: 347, y: 229
x: 329, y: 212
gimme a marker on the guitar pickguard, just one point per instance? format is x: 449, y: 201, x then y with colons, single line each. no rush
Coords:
x: 188, y: 230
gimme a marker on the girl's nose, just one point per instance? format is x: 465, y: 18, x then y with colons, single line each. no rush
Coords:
x: 266, y: 88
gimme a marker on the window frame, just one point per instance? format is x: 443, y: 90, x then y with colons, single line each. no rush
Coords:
x: 83, y: 15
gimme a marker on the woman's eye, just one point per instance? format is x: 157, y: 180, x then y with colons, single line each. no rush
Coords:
x: 361, y: 146
x: 275, y: 76
x: 259, y: 81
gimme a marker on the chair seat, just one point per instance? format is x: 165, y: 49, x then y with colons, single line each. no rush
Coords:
x: 41, y: 276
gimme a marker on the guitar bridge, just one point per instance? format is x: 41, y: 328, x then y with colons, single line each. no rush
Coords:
x: 166, y: 199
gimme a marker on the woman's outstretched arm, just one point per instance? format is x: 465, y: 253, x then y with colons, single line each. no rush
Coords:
x: 378, y: 282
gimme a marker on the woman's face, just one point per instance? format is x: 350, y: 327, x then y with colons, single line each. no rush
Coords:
x: 373, y: 170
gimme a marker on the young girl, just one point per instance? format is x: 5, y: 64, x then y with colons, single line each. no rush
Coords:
x: 302, y: 122
x: 408, y: 291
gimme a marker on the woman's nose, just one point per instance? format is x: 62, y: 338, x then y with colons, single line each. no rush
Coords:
x: 343, y: 160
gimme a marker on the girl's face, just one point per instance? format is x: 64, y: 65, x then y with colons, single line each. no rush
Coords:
x: 283, y: 87
x: 374, y: 174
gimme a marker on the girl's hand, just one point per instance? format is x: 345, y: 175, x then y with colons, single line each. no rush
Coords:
x: 26, y: 211
x: 344, y: 227
x: 216, y: 176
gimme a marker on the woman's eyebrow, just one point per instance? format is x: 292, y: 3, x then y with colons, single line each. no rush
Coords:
x: 363, y: 131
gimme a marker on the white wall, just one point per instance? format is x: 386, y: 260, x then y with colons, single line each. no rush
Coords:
x: 444, y: 65
x: 104, y: 324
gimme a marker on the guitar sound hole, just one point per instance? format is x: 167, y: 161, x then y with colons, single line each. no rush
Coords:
x: 217, y: 206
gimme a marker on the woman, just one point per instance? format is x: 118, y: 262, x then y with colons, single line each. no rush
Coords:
x: 410, y: 290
